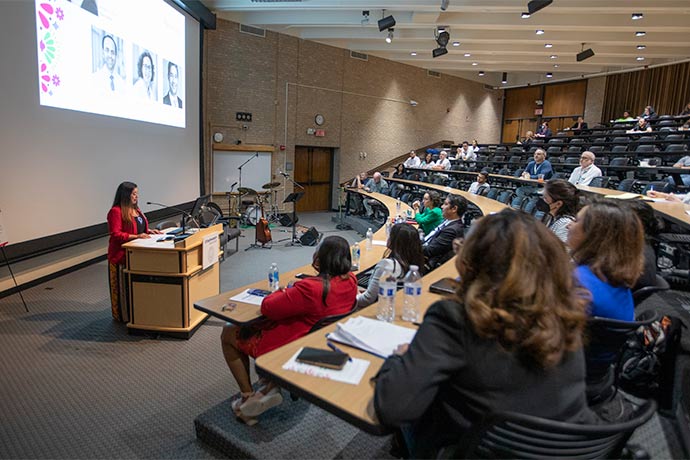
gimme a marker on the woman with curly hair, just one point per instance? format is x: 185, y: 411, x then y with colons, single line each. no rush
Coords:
x: 512, y: 336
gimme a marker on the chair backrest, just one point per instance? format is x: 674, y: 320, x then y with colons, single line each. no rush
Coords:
x: 499, y: 158
x: 641, y: 294
x: 576, y: 140
x: 326, y: 320
x: 574, y: 149
x: 516, y: 202
x: 619, y: 148
x: 560, y: 175
x: 515, y: 159
x: 501, y: 148
x: 659, y: 186
x: 646, y: 139
x: 619, y: 161
x: 482, y: 158
x: 675, y: 148
x: 553, y: 150
x: 626, y: 185
x: 620, y: 140
x: 645, y: 148
x: 167, y: 224
x: 666, y: 123
x: 533, y: 149
x: 439, y: 180
x: 556, y: 160
x: 504, y: 171
x: 516, y: 150
x: 529, y: 205
x: 492, y: 193
x: 513, y: 435
x: 555, y: 140
x: 601, y: 181
x: 674, y: 137
x: 596, y: 148
x: 572, y: 160
x: 505, y: 196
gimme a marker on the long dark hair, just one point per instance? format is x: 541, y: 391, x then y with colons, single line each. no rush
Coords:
x: 123, y: 199
x: 332, y: 258
x: 565, y: 192
x: 405, y: 247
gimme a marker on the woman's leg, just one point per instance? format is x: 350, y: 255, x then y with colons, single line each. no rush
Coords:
x: 237, y: 361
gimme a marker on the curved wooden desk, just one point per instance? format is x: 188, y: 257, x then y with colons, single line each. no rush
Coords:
x: 353, y: 403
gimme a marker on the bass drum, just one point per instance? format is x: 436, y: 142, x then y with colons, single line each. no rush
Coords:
x: 253, y: 214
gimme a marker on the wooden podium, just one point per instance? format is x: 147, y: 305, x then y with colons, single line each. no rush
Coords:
x: 164, y: 280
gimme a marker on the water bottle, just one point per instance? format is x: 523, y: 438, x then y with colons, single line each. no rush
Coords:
x: 273, y: 277
x: 370, y: 239
x: 397, y: 207
x: 355, y: 256
x: 421, y: 234
x: 413, y: 292
x: 385, y: 310
x: 389, y: 225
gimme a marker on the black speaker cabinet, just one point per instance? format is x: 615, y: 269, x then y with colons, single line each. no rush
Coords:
x: 286, y: 220
x: 310, y: 237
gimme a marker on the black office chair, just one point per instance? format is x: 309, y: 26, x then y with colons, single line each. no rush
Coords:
x: 574, y: 149
x: 658, y: 186
x: 626, y: 185
x: 167, y: 224
x: 553, y: 150
x: 601, y: 182
x: 517, y: 201
x: 619, y: 148
x: 619, y: 161
x: 493, y: 193
x: 513, y: 435
x: 643, y: 293
x: 515, y: 159
x: 505, y: 196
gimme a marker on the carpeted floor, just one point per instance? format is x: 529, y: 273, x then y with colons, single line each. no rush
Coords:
x: 73, y: 384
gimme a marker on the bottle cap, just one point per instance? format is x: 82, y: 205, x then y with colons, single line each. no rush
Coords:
x: 414, y: 267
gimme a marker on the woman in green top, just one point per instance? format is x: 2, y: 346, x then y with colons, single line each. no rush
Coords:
x: 432, y: 216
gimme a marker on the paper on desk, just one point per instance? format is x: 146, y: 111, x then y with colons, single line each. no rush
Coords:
x: 687, y: 212
x: 351, y: 373
x: 378, y: 242
x: 246, y: 297
x: 624, y: 196
x: 376, y: 337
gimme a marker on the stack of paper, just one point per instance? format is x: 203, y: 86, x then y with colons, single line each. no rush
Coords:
x: 376, y: 337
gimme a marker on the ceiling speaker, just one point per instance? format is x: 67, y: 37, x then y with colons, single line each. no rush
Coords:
x: 440, y: 51
x: 586, y: 54
x: 386, y: 23
x: 536, y: 5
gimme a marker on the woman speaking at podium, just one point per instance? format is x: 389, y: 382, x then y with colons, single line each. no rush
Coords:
x: 126, y: 222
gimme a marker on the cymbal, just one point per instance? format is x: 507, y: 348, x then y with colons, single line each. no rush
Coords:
x: 271, y: 185
x: 246, y: 191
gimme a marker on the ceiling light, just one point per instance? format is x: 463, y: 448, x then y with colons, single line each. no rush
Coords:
x: 481, y: 73
x: 548, y: 45
x: 440, y: 51
x: 640, y: 58
x: 386, y: 23
x: 442, y: 39
x: 539, y: 31
x: 389, y: 38
x: 641, y: 47
x: 553, y: 56
x: 536, y: 5
x: 549, y: 75
x: 555, y: 66
x: 413, y: 53
x: 636, y: 16
x: 467, y: 55
x: 504, y: 78
x: 525, y: 15
x: 365, y: 17
x: 475, y: 63
x: 444, y: 5
x: 456, y: 43
x: 413, y: 103
x: 640, y: 33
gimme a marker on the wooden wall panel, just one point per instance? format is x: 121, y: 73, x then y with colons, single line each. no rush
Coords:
x: 520, y: 102
x: 565, y: 99
x: 510, y: 130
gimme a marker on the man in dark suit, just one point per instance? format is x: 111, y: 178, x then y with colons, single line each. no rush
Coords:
x: 438, y: 244
x: 173, y: 78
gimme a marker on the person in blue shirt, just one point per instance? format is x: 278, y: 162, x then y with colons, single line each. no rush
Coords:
x: 539, y: 166
x: 607, y: 241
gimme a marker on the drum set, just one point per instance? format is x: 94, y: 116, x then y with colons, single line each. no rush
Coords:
x: 248, y: 204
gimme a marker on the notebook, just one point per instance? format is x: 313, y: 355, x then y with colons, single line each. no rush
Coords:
x: 373, y: 336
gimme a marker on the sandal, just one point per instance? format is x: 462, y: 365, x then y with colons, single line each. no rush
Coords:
x: 259, y: 403
x: 236, y: 408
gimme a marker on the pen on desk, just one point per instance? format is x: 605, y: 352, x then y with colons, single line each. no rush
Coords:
x: 334, y: 348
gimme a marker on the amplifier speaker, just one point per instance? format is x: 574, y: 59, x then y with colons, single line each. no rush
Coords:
x: 310, y: 237
x: 286, y: 220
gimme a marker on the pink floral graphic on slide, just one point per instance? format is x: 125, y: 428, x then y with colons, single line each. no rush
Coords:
x: 48, y: 15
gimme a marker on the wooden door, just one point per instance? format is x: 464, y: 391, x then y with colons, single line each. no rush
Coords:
x: 314, y: 171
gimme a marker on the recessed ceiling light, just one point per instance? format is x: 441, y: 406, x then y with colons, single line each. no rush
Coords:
x: 456, y: 43
x: 525, y: 15
x: 413, y: 53
x: 467, y: 55
x: 641, y: 47
x: 481, y: 73
x: 640, y: 33
x: 548, y: 45
x: 539, y: 32
x: 553, y: 56
x: 640, y: 58
x: 636, y: 16
x: 555, y: 66
x: 549, y: 75
x: 475, y: 63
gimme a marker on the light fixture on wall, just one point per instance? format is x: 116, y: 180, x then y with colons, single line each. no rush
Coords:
x: 504, y: 78
x: 389, y: 38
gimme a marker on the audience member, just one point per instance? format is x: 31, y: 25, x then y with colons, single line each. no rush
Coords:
x: 583, y: 174
x: 540, y: 166
x: 412, y: 161
x: 356, y: 206
x: 443, y: 163
x: 466, y: 153
x: 670, y: 196
x: 126, y: 222
x: 399, y: 172
x: 438, y: 244
x: 686, y: 110
x: 563, y: 199
x: 404, y: 249
x: 649, y: 113
x: 510, y: 340
x: 528, y: 140
x: 480, y: 184
x: 626, y: 117
x: 432, y: 215
x: 579, y: 125
x: 544, y: 130
x: 475, y: 146
x: 428, y: 161
x: 650, y: 225
x: 289, y: 314
x: 641, y: 126
x: 606, y: 240
x: 376, y: 184
x: 685, y: 127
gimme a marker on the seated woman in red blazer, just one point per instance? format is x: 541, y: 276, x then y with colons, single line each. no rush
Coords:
x: 126, y: 222
x: 290, y: 313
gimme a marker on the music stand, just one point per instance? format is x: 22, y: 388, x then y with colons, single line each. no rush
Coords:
x: 293, y: 198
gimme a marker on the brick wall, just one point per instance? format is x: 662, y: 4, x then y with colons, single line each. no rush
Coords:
x: 243, y: 73
x: 594, y: 103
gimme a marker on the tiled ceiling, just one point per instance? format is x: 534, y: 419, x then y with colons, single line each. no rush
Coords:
x: 491, y: 34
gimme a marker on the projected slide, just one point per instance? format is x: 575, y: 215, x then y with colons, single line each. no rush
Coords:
x: 123, y: 58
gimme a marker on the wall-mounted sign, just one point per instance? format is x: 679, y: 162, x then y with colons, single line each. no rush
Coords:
x: 320, y: 133
x: 538, y: 111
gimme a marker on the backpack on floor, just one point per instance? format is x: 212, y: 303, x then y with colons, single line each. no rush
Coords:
x: 648, y: 362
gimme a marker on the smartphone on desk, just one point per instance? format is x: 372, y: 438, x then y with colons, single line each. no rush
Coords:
x: 259, y: 292
x: 323, y: 358
x: 444, y: 286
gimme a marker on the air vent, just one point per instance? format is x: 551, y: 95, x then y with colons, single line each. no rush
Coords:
x: 251, y: 30
x: 433, y: 73
x: 356, y: 55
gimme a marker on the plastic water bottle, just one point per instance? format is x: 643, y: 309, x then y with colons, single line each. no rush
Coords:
x: 370, y: 239
x: 389, y: 225
x: 355, y: 255
x: 386, y: 305
x: 397, y: 207
x: 421, y: 234
x: 273, y: 277
x: 413, y: 292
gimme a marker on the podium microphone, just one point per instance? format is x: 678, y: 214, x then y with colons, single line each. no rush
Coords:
x: 185, y: 213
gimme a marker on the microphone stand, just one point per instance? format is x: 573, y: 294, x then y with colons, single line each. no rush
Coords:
x: 256, y: 155
x: 295, y: 241
x: 184, y: 217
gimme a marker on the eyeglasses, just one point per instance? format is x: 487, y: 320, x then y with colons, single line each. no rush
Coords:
x: 586, y: 158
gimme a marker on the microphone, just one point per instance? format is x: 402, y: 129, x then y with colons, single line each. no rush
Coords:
x: 284, y: 174
x: 185, y: 213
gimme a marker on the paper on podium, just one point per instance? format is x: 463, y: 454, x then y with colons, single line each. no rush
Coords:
x: 376, y: 337
x: 351, y: 373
